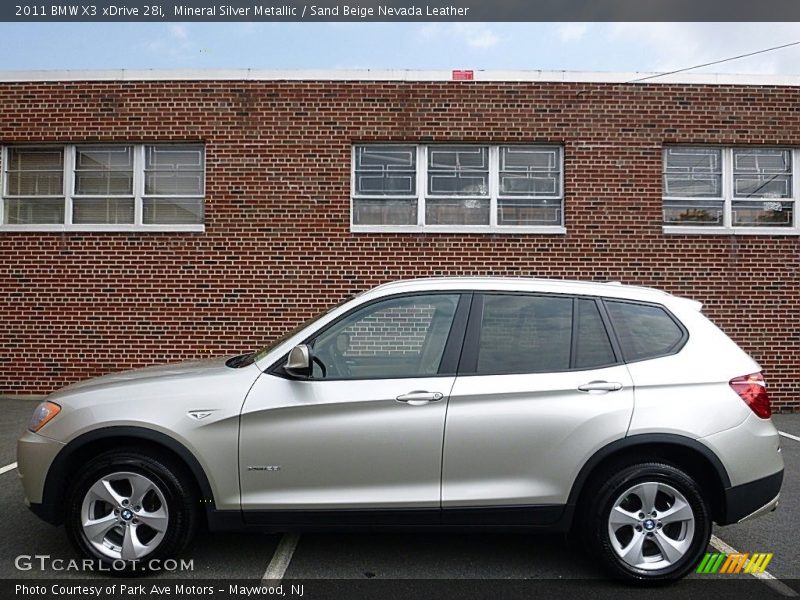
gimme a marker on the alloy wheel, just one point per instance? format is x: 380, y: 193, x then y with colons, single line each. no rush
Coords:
x: 651, y: 526
x: 124, y: 516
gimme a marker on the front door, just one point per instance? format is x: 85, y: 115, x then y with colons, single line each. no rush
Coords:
x: 366, y: 429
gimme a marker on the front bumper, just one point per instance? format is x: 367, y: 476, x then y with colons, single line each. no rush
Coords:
x: 35, y: 455
x: 752, y: 499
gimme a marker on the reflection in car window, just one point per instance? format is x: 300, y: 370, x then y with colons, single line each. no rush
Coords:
x: 525, y: 334
x: 643, y: 331
x: 397, y: 337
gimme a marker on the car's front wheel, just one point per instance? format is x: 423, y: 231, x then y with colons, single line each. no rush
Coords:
x: 650, y: 523
x: 128, y: 508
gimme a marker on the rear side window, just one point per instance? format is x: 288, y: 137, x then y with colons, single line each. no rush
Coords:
x: 644, y: 331
x: 525, y: 334
x: 592, y: 346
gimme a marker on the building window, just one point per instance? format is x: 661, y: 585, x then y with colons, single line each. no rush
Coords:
x: 729, y: 190
x: 104, y: 187
x: 457, y: 188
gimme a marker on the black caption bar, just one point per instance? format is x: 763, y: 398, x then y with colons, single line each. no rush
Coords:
x: 400, y: 10
x: 114, y: 588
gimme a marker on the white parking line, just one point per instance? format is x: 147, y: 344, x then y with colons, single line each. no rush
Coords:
x: 790, y: 436
x: 8, y: 468
x: 765, y: 577
x: 282, y: 557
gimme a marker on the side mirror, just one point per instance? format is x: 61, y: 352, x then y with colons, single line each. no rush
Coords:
x: 299, y: 361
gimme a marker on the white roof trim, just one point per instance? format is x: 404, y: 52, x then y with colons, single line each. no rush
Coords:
x: 389, y: 75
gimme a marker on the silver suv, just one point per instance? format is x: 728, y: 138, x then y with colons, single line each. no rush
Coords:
x: 620, y: 414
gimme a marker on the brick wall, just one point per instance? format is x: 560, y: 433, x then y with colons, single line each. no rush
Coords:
x: 277, y: 246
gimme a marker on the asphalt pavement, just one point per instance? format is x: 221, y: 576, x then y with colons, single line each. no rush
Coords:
x: 374, y: 556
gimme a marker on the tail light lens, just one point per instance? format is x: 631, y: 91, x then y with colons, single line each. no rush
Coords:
x: 753, y: 390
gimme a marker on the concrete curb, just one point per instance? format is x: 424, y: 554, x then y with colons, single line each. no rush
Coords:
x: 34, y: 397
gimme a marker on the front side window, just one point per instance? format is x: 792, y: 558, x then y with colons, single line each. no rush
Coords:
x: 457, y: 187
x: 104, y: 187
x: 397, y: 337
x: 729, y: 189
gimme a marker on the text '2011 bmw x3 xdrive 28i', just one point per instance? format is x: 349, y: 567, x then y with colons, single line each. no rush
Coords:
x: 618, y: 413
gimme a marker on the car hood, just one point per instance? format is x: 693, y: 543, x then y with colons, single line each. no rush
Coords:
x: 161, y: 377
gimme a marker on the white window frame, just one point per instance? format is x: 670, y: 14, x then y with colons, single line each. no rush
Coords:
x: 69, y: 193
x: 728, y: 198
x: 422, y: 183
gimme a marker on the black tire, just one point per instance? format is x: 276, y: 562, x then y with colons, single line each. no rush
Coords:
x: 170, y: 479
x: 603, y: 496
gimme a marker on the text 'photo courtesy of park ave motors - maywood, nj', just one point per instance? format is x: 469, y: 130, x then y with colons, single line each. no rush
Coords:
x: 313, y: 10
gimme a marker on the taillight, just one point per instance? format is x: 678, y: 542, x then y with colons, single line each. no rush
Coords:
x: 753, y: 390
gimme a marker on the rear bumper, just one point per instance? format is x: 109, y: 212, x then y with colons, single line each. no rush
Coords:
x: 752, y: 499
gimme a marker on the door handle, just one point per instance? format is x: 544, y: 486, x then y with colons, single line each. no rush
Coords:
x: 418, y: 397
x: 599, y: 387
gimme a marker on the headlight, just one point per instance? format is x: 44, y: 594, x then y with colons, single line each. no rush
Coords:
x: 42, y: 415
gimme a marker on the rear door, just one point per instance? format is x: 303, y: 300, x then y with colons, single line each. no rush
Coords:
x: 541, y: 387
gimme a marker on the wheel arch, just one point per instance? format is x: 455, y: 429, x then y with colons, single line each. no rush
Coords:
x: 93, y: 442
x: 686, y: 453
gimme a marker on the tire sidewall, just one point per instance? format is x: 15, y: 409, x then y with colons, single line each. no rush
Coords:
x: 169, y: 484
x: 626, y: 479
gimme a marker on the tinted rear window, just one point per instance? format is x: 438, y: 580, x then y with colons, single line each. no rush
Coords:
x: 644, y: 331
x: 525, y: 334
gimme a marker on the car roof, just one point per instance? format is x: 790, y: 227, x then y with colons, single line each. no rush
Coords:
x: 609, y: 289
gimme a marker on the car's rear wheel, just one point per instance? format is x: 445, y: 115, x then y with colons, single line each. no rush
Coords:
x: 128, y: 508
x: 649, y: 523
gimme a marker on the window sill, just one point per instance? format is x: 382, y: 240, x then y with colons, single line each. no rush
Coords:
x: 771, y: 231
x: 480, y: 229
x: 104, y: 228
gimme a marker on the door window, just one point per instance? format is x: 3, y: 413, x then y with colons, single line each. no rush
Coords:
x: 525, y: 334
x: 397, y: 337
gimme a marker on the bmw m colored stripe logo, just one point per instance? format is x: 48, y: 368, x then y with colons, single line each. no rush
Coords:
x: 734, y: 563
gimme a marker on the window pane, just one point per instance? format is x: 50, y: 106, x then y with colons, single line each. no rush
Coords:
x: 692, y: 172
x: 29, y: 211
x: 35, y: 172
x: 762, y: 173
x: 386, y: 170
x: 102, y: 210
x: 643, y: 331
x: 520, y: 211
x: 104, y: 170
x: 458, y: 170
x: 174, y: 157
x: 682, y: 212
x: 762, y: 213
x: 172, y: 211
x: 530, y: 171
x: 384, y: 212
x: 174, y: 170
x: 35, y: 159
x: 593, y: 348
x: 525, y: 334
x: 96, y: 183
x: 399, y: 337
x: 165, y: 183
x: 456, y: 211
